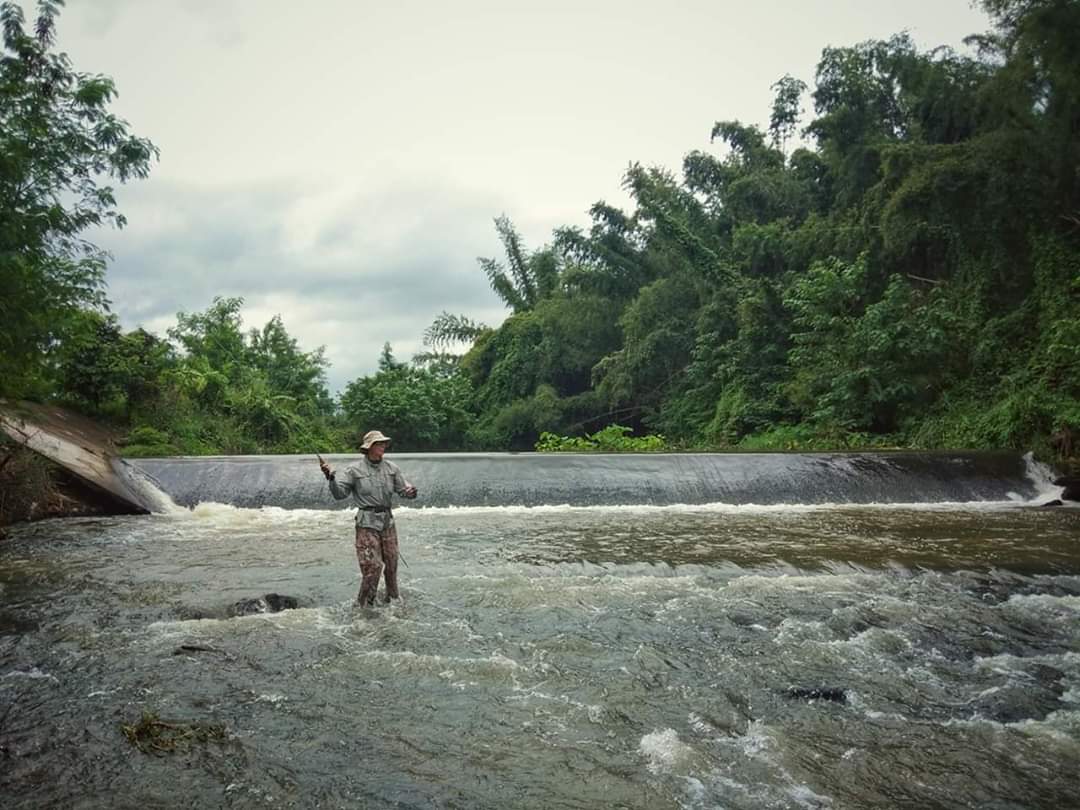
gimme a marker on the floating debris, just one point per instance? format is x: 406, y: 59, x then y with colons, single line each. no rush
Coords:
x: 152, y: 735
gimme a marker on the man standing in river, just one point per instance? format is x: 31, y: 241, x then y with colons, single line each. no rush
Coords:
x: 372, y: 483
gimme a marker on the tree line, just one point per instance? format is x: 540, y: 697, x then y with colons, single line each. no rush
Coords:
x: 893, y: 261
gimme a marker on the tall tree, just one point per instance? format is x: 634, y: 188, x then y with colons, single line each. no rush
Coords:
x: 786, y: 110
x: 59, y: 147
x: 526, y: 278
x: 288, y: 370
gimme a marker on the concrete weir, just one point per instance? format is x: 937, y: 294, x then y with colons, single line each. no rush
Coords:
x: 80, y: 447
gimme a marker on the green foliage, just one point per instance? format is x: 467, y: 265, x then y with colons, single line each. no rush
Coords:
x: 786, y: 111
x: 911, y: 276
x: 527, y: 371
x: 612, y: 439
x: 516, y: 425
x: 810, y: 439
x: 220, y: 391
x: 105, y: 372
x: 1025, y: 384
x: 148, y: 442
x: 214, y: 337
x: 658, y: 338
x: 420, y: 409
x: 287, y: 371
x: 863, y: 366
x: 525, y: 279
x: 59, y: 146
x: 236, y: 392
x: 447, y: 329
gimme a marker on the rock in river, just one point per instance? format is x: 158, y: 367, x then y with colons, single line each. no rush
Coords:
x: 267, y: 603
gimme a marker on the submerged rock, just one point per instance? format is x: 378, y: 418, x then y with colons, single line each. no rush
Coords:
x: 184, y: 649
x: 267, y: 603
x: 831, y: 693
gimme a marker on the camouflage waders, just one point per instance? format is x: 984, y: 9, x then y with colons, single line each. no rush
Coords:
x: 374, y: 551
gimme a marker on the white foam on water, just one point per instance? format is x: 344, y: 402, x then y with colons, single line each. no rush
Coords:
x: 1015, y: 668
x: 1062, y: 726
x: 1042, y: 476
x: 828, y: 586
x: 424, y: 662
x: 711, y: 508
x: 1043, y: 602
x: 770, y: 785
x: 698, y: 724
x: 805, y: 796
x: 33, y: 674
x: 875, y: 640
x: 172, y: 628
x: 250, y: 790
x: 476, y: 577
x: 664, y: 751
x: 696, y: 790
x: 103, y: 692
x: 147, y: 488
x: 855, y: 701
x: 274, y: 699
x: 524, y: 694
x: 755, y: 743
x: 227, y: 515
x: 798, y: 631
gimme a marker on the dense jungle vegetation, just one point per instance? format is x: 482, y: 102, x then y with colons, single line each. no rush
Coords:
x: 896, y: 265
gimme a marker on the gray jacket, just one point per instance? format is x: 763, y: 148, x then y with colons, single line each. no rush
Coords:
x: 372, y: 487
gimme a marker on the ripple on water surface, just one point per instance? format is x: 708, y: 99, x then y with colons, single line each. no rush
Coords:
x: 637, y: 657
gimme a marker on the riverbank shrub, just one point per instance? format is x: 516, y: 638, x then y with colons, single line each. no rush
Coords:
x: 148, y: 442
x: 808, y: 439
x: 612, y: 439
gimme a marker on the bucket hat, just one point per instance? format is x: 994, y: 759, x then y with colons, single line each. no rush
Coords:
x: 372, y: 437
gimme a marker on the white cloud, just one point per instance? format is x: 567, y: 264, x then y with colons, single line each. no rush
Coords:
x: 352, y: 273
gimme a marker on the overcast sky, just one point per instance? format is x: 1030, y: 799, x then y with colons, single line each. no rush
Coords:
x: 340, y: 162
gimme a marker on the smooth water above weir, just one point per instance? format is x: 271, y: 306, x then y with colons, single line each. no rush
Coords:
x: 531, y: 479
x: 655, y: 655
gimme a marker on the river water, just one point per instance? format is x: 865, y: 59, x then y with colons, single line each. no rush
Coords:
x: 551, y: 656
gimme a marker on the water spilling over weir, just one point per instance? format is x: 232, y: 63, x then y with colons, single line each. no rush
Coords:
x: 687, y: 631
x: 529, y: 479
